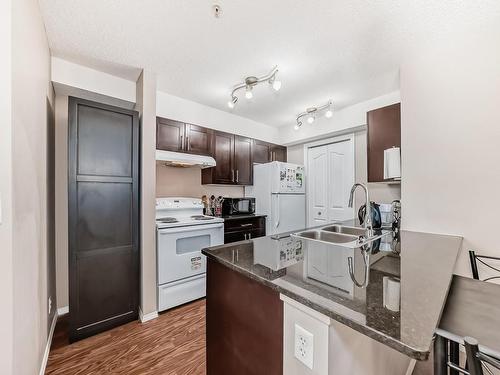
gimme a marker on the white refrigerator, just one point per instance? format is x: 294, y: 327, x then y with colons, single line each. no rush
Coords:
x: 279, y: 192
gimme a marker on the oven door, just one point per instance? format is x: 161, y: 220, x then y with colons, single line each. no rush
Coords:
x: 179, y: 250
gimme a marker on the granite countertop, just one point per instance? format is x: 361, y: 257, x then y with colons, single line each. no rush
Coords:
x: 241, y: 217
x: 317, y: 276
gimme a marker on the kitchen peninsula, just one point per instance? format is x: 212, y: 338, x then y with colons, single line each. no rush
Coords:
x: 283, y: 282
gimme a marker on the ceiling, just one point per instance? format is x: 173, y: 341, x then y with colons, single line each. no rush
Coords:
x: 345, y: 50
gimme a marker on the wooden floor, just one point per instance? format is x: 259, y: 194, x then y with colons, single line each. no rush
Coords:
x: 172, y: 344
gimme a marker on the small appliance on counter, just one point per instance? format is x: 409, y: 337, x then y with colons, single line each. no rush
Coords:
x: 375, y: 214
x: 238, y: 206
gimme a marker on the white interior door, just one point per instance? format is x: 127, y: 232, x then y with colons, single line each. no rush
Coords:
x: 330, y: 176
x: 317, y: 197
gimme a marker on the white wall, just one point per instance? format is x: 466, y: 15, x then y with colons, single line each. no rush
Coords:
x: 78, y: 80
x: 450, y: 89
x: 30, y: 90
x: 349, y: 117
x: 176, y: 108
x: 6, y: 278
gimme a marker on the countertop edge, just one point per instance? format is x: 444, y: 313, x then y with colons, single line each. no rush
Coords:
x: 417, y: 354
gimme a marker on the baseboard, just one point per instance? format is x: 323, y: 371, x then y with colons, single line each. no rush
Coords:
x: 47, y: 346
x: 63, y: 310
x: 146, y: 317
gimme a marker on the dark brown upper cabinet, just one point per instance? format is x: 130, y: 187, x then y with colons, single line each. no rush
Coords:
x: 264, y: 152
x: 169, y: 135
x: 384, y: 131
x: 177, y: 136
x: 197, y: 139
x: 261, y: 152
x: 233, y: 155
x: 243, y: 160
x: 278, y: 153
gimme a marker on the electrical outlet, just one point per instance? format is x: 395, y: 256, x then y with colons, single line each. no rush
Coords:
x: 50, y: 305
x: 304, y: 346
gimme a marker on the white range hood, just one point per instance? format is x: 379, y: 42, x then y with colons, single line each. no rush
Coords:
x: 179, y: 159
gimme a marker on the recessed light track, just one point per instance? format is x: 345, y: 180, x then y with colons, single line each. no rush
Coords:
x: 252, y: 81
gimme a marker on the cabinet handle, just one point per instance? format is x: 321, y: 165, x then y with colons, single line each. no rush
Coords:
x: 246, y: 225
x: 273, y: 156
x: 237, y: 176
x: 182, y: 143
x: 249, y: 236
x: 232, y: 175
x: 187, y: 143
x: 245, y: 235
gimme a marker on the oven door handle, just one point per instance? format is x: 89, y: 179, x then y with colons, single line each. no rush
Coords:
x: 190, y: 228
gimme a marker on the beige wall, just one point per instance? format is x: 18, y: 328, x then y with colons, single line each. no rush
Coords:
x: 380, y: 193
x: 146, y: 105
x: 61, y: 187
x: 450, y: 89
x: 186, y: 182
x: 30, y: 89
x: 6, y: 278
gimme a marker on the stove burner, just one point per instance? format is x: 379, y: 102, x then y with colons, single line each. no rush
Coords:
x: 201, y: 217
x: 167, y: 220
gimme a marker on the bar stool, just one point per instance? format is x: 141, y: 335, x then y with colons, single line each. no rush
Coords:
x: 483, y: 259
x: 478, y: 363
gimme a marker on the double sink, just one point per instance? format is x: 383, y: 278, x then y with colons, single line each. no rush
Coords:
x: 346, y: 236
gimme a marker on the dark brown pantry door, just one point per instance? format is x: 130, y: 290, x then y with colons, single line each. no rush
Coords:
x: 243, y: 161
x: 103, y: 217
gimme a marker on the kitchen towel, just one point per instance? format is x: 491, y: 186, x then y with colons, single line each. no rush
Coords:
x: 391, y: 293
x: 392, y: 163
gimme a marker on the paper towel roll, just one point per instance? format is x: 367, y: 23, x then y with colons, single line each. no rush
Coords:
x: 392, y: 293
x: 392, y: 163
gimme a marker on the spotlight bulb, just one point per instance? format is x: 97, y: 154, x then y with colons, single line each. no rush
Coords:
x: 310, y: 119
x: 296, y: 127
x: 328, y: 114
x: 277, y: 85
x: 230, y: 104
x: 248, y: 93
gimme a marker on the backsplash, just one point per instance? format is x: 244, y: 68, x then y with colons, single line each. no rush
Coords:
x: 186, y: 182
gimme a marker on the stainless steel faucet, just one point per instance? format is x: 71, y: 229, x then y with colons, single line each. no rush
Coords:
x: 368, y: 212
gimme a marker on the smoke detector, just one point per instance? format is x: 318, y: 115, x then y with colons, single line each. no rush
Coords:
x: 217, y: 10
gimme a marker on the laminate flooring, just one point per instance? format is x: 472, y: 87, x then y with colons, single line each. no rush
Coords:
x: 172, y: 344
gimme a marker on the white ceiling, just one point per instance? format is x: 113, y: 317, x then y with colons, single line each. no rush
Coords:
x: 346, y: 50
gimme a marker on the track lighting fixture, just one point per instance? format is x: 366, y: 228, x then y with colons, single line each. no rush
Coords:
x: 252, y: 81
x: 311, y: 113
x: 232, y: 102
x: 248, y: 92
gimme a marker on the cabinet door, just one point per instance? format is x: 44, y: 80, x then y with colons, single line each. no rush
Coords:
x: 230, y: 237
x: 223, y: 152
x: 278, y: 153
x: 169, y: 135
x: 261, y: 151
x: 384, y: 131
x: 243, y: 160
x: 197, y: 139
x: 244, y: 325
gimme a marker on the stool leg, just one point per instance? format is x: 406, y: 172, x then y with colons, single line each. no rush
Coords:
x: 454, y: 356
x: 440, y: 356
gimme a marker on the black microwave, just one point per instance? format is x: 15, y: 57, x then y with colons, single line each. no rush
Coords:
x: 238, y: 206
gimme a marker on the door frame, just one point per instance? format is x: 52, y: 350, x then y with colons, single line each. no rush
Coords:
x: 324, y: 142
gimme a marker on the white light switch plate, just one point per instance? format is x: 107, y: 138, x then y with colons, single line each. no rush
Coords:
x: 304, y: 346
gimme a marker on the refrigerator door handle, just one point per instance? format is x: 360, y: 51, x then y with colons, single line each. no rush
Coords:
x: 277, y: 224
